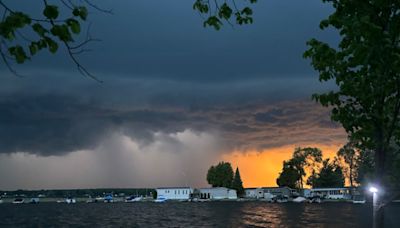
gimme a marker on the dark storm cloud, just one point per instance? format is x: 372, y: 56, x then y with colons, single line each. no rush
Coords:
x: 295, y: 122
x: 55, y: 124
x: 47, y: 125
x: 164, y: 72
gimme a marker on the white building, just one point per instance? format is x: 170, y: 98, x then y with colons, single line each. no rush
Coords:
x: 255, y: 193
x: 218, y: 193
x: 331, y: 193
x: 174, y: 193
x: 268, y: 192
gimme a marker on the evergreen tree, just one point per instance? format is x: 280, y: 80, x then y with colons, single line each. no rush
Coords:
x: 237, y: 183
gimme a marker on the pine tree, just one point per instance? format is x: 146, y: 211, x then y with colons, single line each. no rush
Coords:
x: 237, y: 183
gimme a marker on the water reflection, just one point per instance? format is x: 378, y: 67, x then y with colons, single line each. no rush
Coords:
x: 210, y: 214
x: 259, y: 215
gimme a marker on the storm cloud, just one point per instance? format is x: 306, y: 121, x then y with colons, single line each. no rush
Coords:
x: 59, y: 122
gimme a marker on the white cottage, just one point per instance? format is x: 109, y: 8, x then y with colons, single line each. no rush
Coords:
x: 255, y: 193
x: 174, y: 193
x: 331, y: 193
x: 218, y: 193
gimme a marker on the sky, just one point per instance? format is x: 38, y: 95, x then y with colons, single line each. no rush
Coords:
x: 176, y: 98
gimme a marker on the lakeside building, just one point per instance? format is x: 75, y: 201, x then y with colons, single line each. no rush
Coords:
x: 174, y: 193
x: 255, y: 193
x: 218, y: 193
x: 281, y: 191
x: 329, y: 193
x: 267, y: 192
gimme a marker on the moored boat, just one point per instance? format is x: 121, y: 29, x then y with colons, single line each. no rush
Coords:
x: 18, y: 201
x: 132, y: 199
x: 281, y: 199
x: 299, y: 199
x: 70, y: 200
x: 34, y: 200
x: 108, y: 198
x: 359, y: 200
x: 316, y: 199
x: 160, y: 199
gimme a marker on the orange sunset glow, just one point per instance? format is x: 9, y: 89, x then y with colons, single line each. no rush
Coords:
x: 261, y: 168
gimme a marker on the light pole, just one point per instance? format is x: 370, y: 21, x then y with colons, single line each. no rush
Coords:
x: 374, y: 191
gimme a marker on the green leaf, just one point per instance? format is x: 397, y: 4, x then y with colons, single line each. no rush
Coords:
x: 213, y: 21
x: 74, y: 26
x: 247, y: 11
x: 19, y: 53
x: 62, y: 32
x: 53, y: 46
x: 38, y: 28
x: 51, y: 12
x: 81, y: 12
x: 33, y: 48
x: 17, y: 20
x: 225, y: 11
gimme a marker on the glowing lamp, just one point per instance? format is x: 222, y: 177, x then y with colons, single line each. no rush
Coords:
x: 373, y: 189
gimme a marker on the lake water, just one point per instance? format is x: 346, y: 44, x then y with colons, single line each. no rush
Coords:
x: 207, y: 214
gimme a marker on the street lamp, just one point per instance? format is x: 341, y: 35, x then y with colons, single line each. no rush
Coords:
x: 374, y: 190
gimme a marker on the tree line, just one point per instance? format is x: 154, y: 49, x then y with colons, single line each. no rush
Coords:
x: 350, y: 162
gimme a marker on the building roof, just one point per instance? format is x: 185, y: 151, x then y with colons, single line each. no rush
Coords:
x: 276, y: 187
x: 328, y: 189
x: 174, y: 188
x: 268, y: 188
x: 217, y: 188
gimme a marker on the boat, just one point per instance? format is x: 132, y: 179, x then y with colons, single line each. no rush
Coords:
x: 299, y: 199
x: 99, y: 199
x: 70, y: 200
x: 34, y: 201
x: 268, y: 197
x: 359, y: 200
x: 132, y: 199
x: 316, y: 200
x: 18, y: 201
x: 90, y: 200
x: 108, y: 198
x: 281, y: 199
x: 160, y: 199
